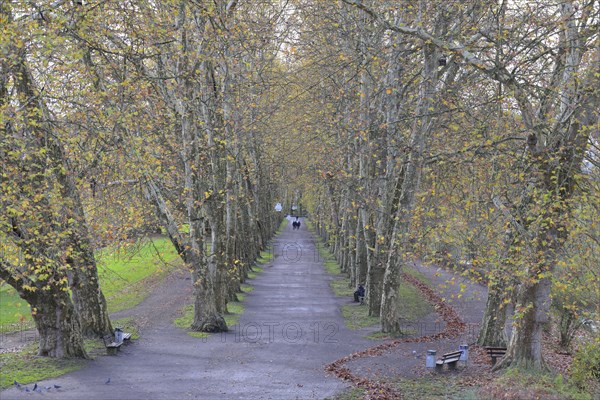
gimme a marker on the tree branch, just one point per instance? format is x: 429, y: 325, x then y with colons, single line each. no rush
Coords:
x: 12, y: 279
x: 498, y: 73
x: 514, y: 222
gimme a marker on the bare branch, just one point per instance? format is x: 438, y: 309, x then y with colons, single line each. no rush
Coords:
x: 514, y: 222
x: 498, y: 73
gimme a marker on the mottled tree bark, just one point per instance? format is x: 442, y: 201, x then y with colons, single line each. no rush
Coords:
x: 53, y: 313
x: 492, y: 332
x: 411, y: 177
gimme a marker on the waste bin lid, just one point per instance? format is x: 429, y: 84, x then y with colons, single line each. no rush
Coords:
x: 430, y: 351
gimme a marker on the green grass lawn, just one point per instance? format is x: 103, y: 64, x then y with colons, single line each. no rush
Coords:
x: 13, y: 309
x: 122, y: 271
x: 430, y: 388
x: 26, y: 367
x: 126, y: 276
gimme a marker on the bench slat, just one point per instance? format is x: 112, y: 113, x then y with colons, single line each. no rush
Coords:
x: 495, y: 352
x: 111, y: 346
x: 495, y: 349
x: 447, y: 361
x: 451, y: 359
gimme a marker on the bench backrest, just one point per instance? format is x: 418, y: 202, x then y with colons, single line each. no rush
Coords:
x: 107, y: 339
x: 452, y: 355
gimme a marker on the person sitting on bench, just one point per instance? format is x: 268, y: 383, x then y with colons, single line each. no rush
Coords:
x: 359, y: 292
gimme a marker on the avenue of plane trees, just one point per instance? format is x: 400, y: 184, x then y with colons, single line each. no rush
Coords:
x: 458, y: 133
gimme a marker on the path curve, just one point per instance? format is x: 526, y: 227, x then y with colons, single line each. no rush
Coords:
x: 458, y: 305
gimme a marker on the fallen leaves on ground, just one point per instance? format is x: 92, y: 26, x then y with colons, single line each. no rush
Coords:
x: 378, y: 390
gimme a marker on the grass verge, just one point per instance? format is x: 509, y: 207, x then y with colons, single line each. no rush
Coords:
x: 350, y: 394
x: 27, y: 367
x: 413, y: 306
x: 433, y: 388
x: 255, y: 271
x: 357, y: 316
x: 517, y: 384
x: 235, y: 308
x: 127, y: 276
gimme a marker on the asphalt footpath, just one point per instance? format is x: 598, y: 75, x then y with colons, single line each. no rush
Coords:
x: 291, y: 328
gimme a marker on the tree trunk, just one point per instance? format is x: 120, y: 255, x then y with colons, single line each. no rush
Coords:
x: 207, y: 316
x: 374, y: 289
x: 57, y: 324
x: 492, y: 332
x: 493, y: 323
x: 390, y: 307
x: 525, y: 346
x: 390, y: 304
x: 53, y: 314
x: 88, y: 298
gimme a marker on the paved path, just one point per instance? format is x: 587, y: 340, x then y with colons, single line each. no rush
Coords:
x: 292, y: 327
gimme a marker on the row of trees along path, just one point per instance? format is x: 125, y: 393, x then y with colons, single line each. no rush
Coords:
x: 78, y: 174
x: 445, y: 127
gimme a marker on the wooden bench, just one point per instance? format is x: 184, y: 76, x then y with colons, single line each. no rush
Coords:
x: 126, y: 336
x: 495, y: 353
x: 449, y: 358
x: 112, y: 347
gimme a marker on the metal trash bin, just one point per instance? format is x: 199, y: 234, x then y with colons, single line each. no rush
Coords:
x: 464, y: 348
x: 118, y: 335
x: 430, y: 360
